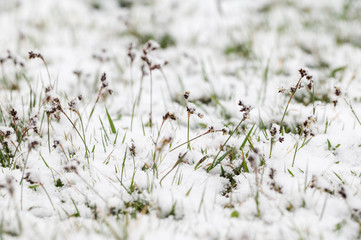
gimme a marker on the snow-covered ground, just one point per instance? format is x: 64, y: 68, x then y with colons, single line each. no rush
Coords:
x: 95, y: 119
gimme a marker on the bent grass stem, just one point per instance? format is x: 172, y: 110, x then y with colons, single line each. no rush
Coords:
x: 220, y: 150
x: 288, y: 103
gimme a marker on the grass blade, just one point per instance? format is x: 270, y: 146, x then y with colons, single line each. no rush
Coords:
x: 112, y: 127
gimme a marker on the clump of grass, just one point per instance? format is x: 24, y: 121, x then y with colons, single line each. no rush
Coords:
x: 338, y: 93
x: 293, y: 91
x: 191, y: 109
x: 152, y: 64
x: 55, y: 109
x: 104, y: 87
x: 167, y: 116
x: 36, y: 54
x: 32, y: 144
x: 245, y: 109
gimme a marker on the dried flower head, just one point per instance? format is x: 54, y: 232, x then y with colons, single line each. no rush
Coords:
x: 273, y: 131
x: 105, y: 84
x: 169, y: 115
x: 132, y: 150
x: 131, y: 52
x: 334, y: 102
x: 186, y: 95
x: 272, y: 173
x: 302, y: 72
x: 72, y: 166
x: 35, y: 54
x: 8, y: 184
x: 32, y: 178
x: 342, y: 192
x: 309, y: 85
x: 56, y: 143
x: 14, y: 115
x: 281, y: 90
x: 33, y: 143
x: 245, y: 109
x: 74, y: 103
x: 33, y: 124
x: 152, y: 63
x: 101, y: 56
x: 191, y: 108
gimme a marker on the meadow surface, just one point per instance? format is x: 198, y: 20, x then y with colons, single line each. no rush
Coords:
x: 165, y: 119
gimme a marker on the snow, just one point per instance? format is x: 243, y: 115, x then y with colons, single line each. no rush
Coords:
x: 113, y: 174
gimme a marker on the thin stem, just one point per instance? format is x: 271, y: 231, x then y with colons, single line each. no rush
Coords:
x: 151, y: 98
x: 131, y: 81
x: 189, y: 141
x: 49, y: 133
x: 92, y: 111
x: 271, y: 147
x: 82, y: 125
x: 21, y: 181
x: 47, y: 194
x: 155, y: 145
x: 140, y: 90
x: 17, y: 147
x: 86, y: 148
x: 353, y: 111
x: 220, y: 150
x: 294, y: 156
x: 131, y: 120
x: 47, y: 70
x: 230, y: 135
x: 166, y: 81
x: 288, y: 103
x: 179, y: 161
x: 188, y: 145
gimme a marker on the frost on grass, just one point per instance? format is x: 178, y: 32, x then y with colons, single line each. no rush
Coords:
x: 180, y: 120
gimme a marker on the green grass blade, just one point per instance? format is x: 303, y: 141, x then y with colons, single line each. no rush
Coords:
x: 219, y: 160
x: 112, y: 127
x: 246, y: 138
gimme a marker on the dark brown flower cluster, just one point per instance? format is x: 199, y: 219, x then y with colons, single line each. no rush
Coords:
x: 152, y: 63
x: 32, y: 143
x: 170, y: 116
x: 54, y: 106
x: 275, y: 129
x: 338, y: 93
x: 307, y: 126
x: 73, y: 104
x: 9, y: 185
x: 245, y: 109
x: 273, y: 185
x: 72, y: 166
x: 191, y: 108
x: 33, y: 124
x: 105, y: 84
x: 314, y: 184
x: 254, y: 158
x: 131, y: 53
x: 309, y: 78
x: 10, y: 57
x: 14, y: 114
x: 6, y: 133
x: 33, y: 55
x: 101, y: 56
x: 299, y: 85
x: 30, y: 178
x: 132, y: 150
